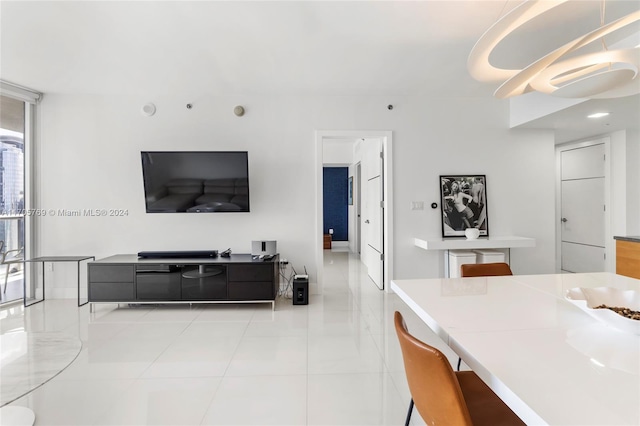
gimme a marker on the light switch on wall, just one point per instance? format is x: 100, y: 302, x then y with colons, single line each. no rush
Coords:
x: 330, y: 231
x: 417, y: 205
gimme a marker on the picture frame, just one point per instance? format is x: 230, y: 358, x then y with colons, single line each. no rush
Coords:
x: 350, y: 190
x: 463, y: 202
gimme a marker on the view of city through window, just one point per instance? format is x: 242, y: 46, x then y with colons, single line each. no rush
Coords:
x: 12, y: 194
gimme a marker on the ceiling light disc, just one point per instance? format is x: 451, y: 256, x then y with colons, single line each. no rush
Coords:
x: 149, y: 109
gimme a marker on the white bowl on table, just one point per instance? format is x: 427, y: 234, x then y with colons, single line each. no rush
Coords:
x: 588, y: 298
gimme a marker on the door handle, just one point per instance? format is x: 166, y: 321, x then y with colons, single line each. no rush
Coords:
x: 366, y: 221
x: 564, y: 219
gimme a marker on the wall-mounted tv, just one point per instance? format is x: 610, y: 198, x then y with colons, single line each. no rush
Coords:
x: 195, y: 181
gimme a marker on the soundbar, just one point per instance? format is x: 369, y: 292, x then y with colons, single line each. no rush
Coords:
x: 199, y: 254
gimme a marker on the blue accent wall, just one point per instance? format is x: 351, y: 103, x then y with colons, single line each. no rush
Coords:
x: 335, y: 193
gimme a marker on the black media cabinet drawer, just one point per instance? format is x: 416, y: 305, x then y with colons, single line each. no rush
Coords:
x: 251, y: 272
x: 111, y: 292
x: 253, y: 290
x: 208, y: 282
x: 111, y: 273
x: 163, y: 286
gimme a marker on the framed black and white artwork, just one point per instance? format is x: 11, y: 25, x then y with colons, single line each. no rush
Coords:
x: 464, y: 204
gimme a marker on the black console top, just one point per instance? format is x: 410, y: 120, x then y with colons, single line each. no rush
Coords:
x: 191, y: 254
x: 155, y: 262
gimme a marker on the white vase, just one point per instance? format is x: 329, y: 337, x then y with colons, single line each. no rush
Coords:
x: 472, y: 233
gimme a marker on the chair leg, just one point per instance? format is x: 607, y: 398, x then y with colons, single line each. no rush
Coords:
x: 459, y: 361
x: 406, y: 423
x: 6, y: 278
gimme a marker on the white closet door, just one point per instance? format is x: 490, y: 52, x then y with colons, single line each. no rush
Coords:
x: 583, y: 209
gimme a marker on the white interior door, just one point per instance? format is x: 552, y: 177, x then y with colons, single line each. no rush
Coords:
x: 583, y: 209
x: 373, y: 212
x: 374, y: 231
x: 358, y: 203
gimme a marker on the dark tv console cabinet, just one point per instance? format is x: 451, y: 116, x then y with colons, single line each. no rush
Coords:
x: 126, y: 278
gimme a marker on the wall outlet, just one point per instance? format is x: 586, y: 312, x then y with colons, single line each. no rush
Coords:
x: 417, y: 205
x: 330, y: 231
x: 50, y: 267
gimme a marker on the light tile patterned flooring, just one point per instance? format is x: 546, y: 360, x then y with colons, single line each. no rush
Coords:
x: 335, y: 361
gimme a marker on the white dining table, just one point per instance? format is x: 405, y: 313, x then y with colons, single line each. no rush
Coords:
x: 550, y: 361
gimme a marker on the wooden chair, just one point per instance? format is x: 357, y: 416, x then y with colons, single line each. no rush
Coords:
x: 443, y: 396
x: 485, y: 269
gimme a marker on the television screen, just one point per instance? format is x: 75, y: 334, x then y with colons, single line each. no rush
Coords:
x: 195, y: 181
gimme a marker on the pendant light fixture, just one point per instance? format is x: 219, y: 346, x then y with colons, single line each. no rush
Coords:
x: 563, y: 72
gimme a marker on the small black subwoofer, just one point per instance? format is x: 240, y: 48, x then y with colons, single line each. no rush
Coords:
x: 301, y: 290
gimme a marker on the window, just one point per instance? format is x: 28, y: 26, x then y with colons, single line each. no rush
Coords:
x: 12, y: 191
x: 17, y: 107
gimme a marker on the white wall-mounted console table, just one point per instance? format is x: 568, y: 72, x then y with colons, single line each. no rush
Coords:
x: 446, y: 244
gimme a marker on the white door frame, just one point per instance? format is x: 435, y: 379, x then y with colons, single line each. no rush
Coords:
x: 386, y: 137
x: 608, y: 244
x: 358, y: 207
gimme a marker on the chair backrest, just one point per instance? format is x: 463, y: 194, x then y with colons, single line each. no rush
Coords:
x: 433, y: 384
x: 11, y: 255
x: 485, y: 269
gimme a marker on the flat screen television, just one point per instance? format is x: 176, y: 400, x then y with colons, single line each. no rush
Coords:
x: 195, y: 181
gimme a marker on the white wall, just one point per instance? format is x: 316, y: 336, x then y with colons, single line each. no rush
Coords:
x: 337, y: 153
x: 534, y: 105
x: 90, y: 159
x: 471, y: 137
x: 619, y: 189
x: 625, y: 183
x: 633, y: 178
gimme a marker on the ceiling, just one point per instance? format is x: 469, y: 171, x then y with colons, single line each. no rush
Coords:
x: 285, y: 48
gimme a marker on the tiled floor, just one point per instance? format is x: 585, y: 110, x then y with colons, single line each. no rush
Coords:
x: 335, y: 361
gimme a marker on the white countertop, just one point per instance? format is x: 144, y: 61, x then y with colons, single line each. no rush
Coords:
x: 480, y: 243
x: 547, y: 359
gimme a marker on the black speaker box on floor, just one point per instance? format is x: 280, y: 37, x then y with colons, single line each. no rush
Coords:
x: 301, y: 290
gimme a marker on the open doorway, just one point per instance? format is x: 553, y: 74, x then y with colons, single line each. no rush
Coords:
x: 373, y: 232
x: 337, y: 187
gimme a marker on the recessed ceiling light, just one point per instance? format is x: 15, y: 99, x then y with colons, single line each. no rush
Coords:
x: 598, y: 115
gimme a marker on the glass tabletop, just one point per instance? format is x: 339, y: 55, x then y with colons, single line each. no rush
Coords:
x: 59, y: 259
